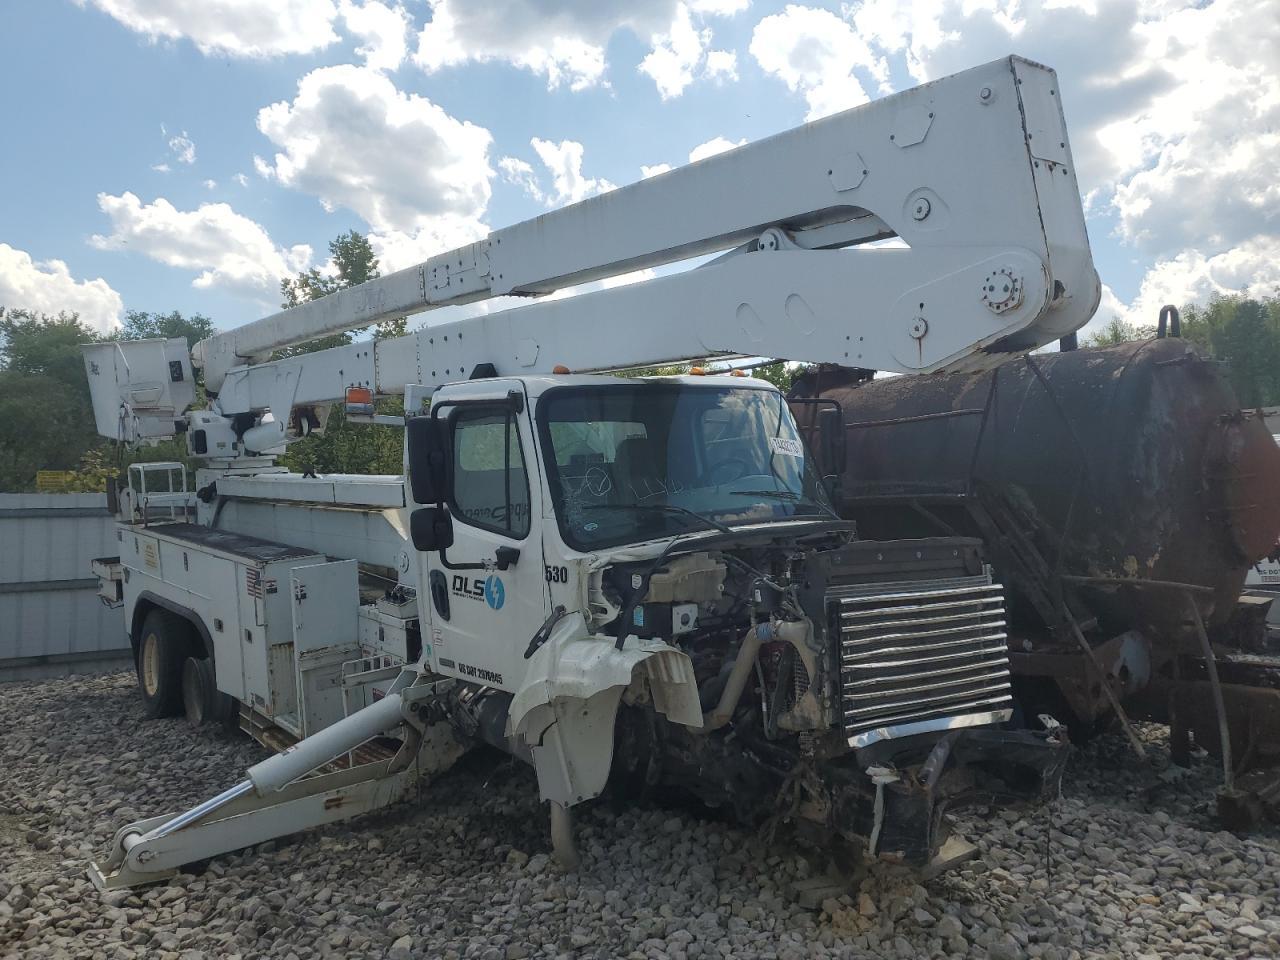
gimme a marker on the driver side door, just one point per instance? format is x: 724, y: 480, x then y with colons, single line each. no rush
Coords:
x: 482, y: 617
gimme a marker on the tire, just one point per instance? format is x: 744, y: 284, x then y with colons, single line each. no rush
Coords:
x: 163, y: 646
x: 196, y: 698
x: 202, y: 701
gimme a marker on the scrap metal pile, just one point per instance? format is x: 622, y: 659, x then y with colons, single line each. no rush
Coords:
x: 1123, y: 496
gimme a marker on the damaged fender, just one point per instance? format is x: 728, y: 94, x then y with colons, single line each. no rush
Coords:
x: 565, y: 709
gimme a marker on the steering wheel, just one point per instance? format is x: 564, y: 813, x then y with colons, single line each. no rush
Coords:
x: 739, y: 467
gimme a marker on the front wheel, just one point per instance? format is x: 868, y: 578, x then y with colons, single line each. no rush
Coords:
x: 161, y: 652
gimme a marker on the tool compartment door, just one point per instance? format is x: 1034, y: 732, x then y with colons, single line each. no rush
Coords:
x: 326, y: 607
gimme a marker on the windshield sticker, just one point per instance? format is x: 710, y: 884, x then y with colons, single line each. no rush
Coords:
x: 787, y: 447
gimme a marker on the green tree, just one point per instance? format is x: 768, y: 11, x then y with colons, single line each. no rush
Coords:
x: 1116, y: 332
x: 778, y: 373
x: 42, y: 345
x: 46, y: 419
x: 140, y: 325
x: 1244, y: 332
x: 353, y: 262
x: 345, y: 447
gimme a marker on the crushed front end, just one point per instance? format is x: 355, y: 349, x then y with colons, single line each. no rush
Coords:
x: 879, y: 699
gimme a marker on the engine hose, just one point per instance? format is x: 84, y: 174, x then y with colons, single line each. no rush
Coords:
x: 742, y: 666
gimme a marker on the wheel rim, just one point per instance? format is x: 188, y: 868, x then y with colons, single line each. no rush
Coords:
x: 151, y: 664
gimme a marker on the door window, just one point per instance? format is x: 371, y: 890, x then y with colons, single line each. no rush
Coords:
x: 490, y: 482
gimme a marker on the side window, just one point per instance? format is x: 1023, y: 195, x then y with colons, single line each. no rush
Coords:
x: 490, y: 483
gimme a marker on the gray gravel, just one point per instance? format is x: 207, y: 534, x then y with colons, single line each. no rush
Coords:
x: 1138, y: 867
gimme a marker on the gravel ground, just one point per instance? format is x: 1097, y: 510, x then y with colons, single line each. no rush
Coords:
x: 1138, y: 867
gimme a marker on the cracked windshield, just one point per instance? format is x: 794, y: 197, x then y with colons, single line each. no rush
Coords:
x: 663, y: 459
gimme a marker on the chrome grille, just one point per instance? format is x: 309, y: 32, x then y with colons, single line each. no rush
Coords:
x: 921, y: 655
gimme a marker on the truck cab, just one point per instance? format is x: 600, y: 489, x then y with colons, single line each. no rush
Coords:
x: 552, y: 478
x: 624, y: 575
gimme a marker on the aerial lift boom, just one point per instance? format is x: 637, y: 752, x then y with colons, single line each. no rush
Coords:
x: 972, y: 174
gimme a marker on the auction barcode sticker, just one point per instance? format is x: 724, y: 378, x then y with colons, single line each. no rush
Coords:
x: 787, y: 446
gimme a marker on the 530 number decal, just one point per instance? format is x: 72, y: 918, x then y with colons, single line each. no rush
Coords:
x: 557, y: 574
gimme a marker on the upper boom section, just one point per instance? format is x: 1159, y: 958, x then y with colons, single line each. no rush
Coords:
x: 973, y: 172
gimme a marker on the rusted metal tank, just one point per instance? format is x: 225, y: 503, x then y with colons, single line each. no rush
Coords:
x: 1124, y: 462
x: 1122, y: 496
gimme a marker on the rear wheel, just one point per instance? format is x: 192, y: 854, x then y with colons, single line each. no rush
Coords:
x: 162, y: 648
x: 202, y: 701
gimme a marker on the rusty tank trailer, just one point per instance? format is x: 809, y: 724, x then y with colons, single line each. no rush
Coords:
x: 1123, y: 496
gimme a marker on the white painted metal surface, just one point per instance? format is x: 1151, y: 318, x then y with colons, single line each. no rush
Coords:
x: 326, y: 633
x: 973, y: 172
x: 49, y: 606
x: 138, y: 387
x: 969, y: 169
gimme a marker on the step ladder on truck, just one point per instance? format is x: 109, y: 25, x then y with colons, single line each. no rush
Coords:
x: 628, y: 583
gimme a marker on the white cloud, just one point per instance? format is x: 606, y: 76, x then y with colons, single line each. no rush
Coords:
x: 562, y: 40
x: 563, y: 161
x: 1251, y: 267
x: 244, y: 28
x: 712, y: 147
x: 382, y: 29
x: 676, y: 54
x: 521, y: 173
x: 652, y: 171
x: 241, y: 179
x: 1173, y: 108
x: 48, y: 287
x: 1207, y: 149
x: 814, y: 52
x: 398, y: 160
x: 160, y: 167
x: 184, y: 149
x: 226, y: 249
x: 721, y: 66
x: 719, y: 8
x: 211, y: 184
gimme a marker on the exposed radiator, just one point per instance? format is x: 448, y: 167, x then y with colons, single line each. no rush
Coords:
x: 921, y: 655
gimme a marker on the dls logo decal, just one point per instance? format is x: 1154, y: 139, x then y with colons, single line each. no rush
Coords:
x: 495, y: 594
x: 490, y: 589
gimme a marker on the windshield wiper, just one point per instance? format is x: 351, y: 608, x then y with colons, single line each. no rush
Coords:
x: 665, y: 508
x: 784, y: 495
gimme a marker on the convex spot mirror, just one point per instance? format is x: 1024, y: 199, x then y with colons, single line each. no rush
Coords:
x: 431, y: 529
x: 430, y: 474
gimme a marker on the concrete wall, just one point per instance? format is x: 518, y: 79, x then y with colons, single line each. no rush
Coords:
x: 51, y: 620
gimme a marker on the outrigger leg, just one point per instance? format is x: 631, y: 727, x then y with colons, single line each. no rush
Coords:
x: 278, y: 798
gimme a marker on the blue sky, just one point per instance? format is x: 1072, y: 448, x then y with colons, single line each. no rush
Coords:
x: 129, y: 180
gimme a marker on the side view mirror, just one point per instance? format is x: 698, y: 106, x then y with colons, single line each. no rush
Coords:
x: 431, y: 529
x: 430, y: 472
